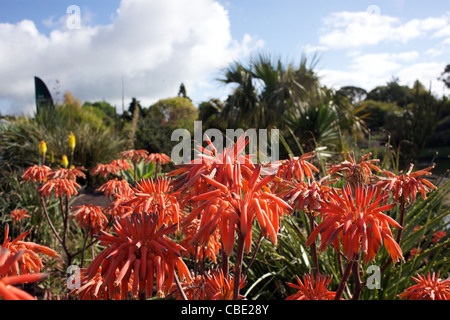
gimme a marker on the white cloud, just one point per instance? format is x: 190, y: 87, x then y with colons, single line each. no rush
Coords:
x: 372, y: 44
x: 308, y: 49
x: 432, y: 52
x: 154, y: 45
x: 349, y: 30
x: 443, y: 32
x: 426, y: 72
x: 371, y: 70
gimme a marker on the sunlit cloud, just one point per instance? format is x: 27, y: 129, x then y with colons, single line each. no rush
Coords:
x: 153, y: 46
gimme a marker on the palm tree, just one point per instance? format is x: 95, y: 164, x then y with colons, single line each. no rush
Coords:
x: 267, y: 90
x: 315, y: 125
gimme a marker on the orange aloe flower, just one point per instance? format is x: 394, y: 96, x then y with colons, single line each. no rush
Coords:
x: 113, y: 187
x: 141, y: 250
x: 297, y: 168
x: 90, y: 216
x: 18, y: 214
x: 221, y: 287
x: 59, y: 187
x: 117, y: 208
x: 8, y: 291
x: 121, y: 164
x: 215, y: 165
x: 357, y: 221
x: 308, y: 290
x: 155, y: 196
x: 235, y: 208
x: 112, y: 168
x: 63, y: 173
x: 104, y: 170
x: 428, y: 288
x: 158, y: 158
x: 94, y: 288
x: 308, y: 195
x: 210, y: 286
x: 29, y: 260
x: 36, y: 173
x: 200, y: 253
x: 135, y: 156
x: 356, y: 172
x: 405, y: 187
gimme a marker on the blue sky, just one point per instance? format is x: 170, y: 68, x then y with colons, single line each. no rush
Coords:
x: 155, y: 45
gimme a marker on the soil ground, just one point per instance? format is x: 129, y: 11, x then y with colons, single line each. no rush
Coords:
x: 89, y: 197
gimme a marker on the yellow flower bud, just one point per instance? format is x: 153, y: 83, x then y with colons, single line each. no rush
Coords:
x: 65, y: 161
x: 72, y: 141
x: 42, y: 148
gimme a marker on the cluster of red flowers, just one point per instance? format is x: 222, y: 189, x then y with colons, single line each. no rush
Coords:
x: 29, y: 260
x: 308, y: 290
x: 141, y: 249
x: 8, y: 289
x: 20, y: 263
x: 61, y: 182
x: 428, y: 288
x: 91, y: 217
x: 206, y: 208
x: 18, y: 214
x: 354, y: 219
x: 213, y: 285
x: 112, y: 168
x: 36, y: 173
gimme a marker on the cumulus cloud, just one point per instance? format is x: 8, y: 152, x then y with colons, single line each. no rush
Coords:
x: 349, y: 30
x: 371, y: 70
x: 153, y: 45
x: 377, y: 48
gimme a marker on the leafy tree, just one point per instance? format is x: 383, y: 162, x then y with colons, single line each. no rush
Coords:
x: 176, y: 112
x: 210, y: 114
x: 103, y: 110
x: 378, y: 111
x: 392, y: 92
x: 445, y: 76
x: 155, y: 127
x: 354, y: 94
x: 411, y: 128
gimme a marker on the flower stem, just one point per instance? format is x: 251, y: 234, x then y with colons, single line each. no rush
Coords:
x: 344, y: 280
x: 225, y: 263
x: 258, y: 243
x: 315, y: 260
x: 84, y: 246
x: 357, y: 278
x: 180, y: 288
x: 238, y: 265
x: 44, y: 207
x: 156, y: 170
